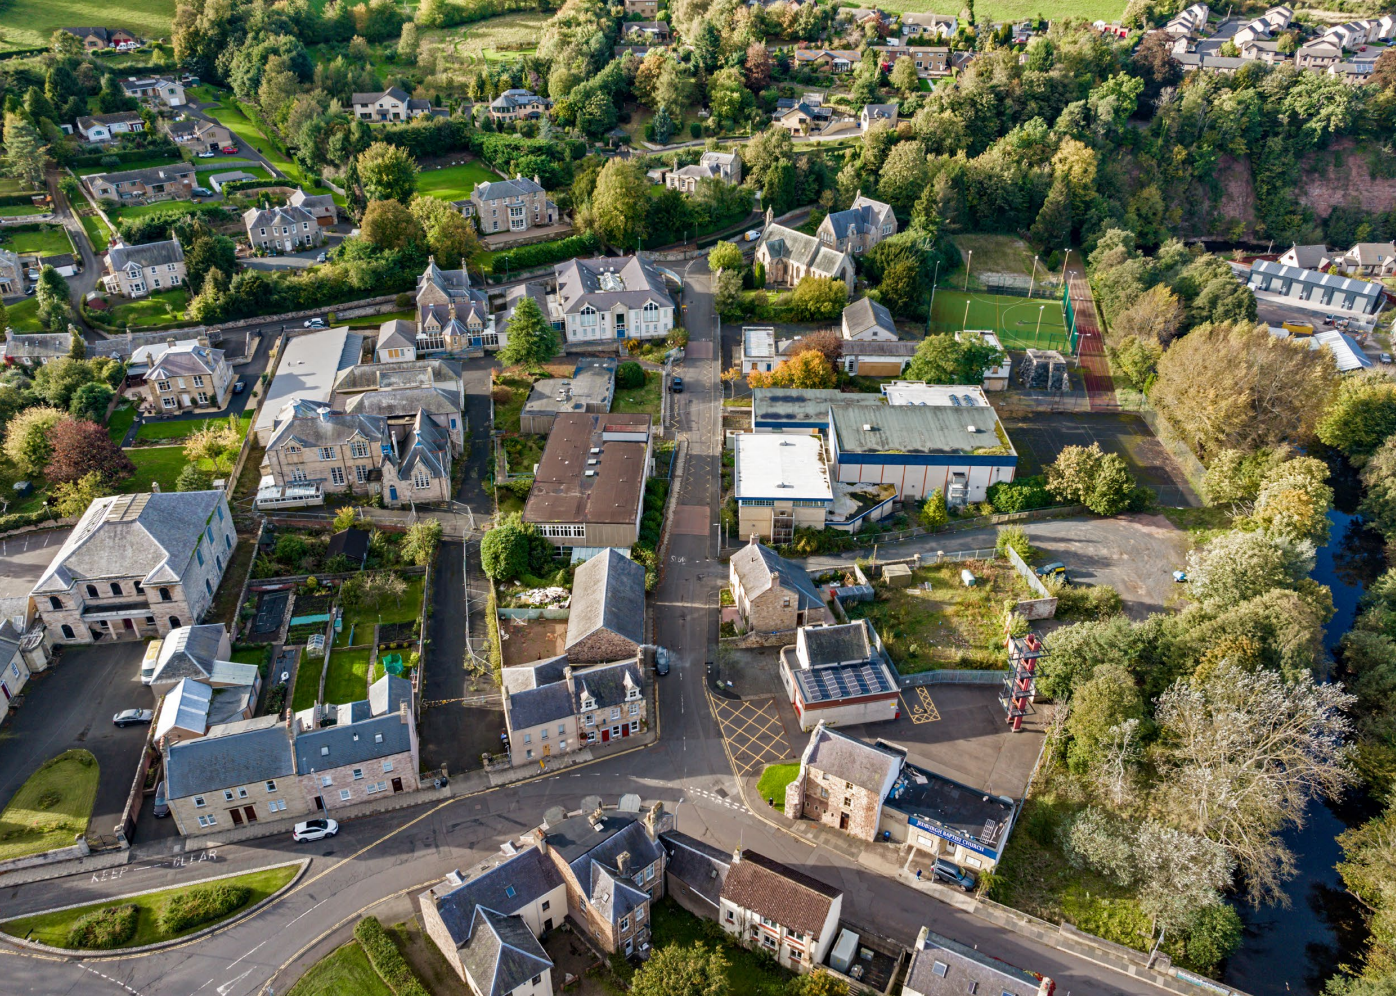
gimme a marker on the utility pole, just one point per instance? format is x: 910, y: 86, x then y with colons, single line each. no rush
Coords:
x: 930, y: 308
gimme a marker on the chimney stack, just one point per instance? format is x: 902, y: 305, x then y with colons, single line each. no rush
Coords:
x: 623, y: 862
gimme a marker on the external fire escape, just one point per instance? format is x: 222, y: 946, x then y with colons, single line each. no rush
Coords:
x: 1020, y: 684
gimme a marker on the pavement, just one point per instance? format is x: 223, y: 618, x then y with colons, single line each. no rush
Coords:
x: 378, y: 863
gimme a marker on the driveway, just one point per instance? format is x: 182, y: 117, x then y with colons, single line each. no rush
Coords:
x: 70, y: 706
x: 24, y: 557
x: 293, y: 260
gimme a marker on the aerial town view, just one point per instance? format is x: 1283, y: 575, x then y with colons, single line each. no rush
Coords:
x: 697, y: 498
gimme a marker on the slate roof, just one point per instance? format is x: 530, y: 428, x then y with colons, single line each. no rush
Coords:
x: 824, y: 645
x: 520, y: 186
x: 880, y: 112
x: 533, y: 707
x: 942, y: 967
x: 605, y: 282
x: 521, y: 677
x: 426, y: 445
x: 357, y: 741
x: 879, y: 347
x: 396, y: 93
x: 756, y: 562
x: 291, y: 215
x: 501, y: 953
x: 806, y: 250
x: 311, y: 424
x: 517, y: 97
x: 313, y: 202
x: 148, y: 176
x: 121, y: 255
x: 591, y: 855
x: 607, y: 684
x: 233, y: 754
x: 699, y: 865
x: 608, y: 592
x: 186, y: 361
x: 86, y: 122
x: 351, y: 542
x: 770, y: 889
x: 396, y: 334
x: 865, y: 215
x: 865, y: 765
x: 403, y: 402
x: 188, y: 652
x: 151, y: 536
x: 506, y: 888
x: 864, y: 314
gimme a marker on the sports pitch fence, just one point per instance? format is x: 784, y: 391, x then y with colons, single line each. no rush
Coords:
x: 1013, y: 318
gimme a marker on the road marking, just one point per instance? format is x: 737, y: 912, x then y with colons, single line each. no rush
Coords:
x: 921, y: 709
x: 115, y: 982
x: 254, y: 950
x: 226, y: 987
x: 308, y: 912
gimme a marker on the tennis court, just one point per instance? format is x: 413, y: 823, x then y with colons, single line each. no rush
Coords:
x: 1015, y: 319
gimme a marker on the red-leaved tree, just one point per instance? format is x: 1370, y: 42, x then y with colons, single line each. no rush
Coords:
x: 81, y: 447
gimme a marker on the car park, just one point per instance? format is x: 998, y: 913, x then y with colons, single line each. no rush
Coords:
x: 315, y: 830
x: 133, y: 717
x: 953, y: 874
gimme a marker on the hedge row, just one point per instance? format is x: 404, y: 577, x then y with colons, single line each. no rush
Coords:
x: 111, y: 927
x: 16, y: 520
x: 15, y: 200
x: 386, y: 959
x: 197, y: 906
x: 128, y: 156
x: 545, y: 253
x: 236, y: 185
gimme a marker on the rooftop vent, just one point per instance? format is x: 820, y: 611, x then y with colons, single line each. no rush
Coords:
x: 867, y: 427
x: 596, y: 449
x: 971, y: 428
x: 591, y: 473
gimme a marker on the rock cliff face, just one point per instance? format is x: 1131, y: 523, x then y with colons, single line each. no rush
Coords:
x: 1331, y: 178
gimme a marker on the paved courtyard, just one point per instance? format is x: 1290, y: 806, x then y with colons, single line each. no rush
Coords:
x: 24, y: 557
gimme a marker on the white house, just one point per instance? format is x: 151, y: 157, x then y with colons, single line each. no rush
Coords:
x: 611, y: 298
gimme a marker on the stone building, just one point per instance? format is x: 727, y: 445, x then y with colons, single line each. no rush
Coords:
x: 866, y: 223
x: 842, y: 782
x: 282, y: 229
x: 607, y: 618
x: 135, y: 271
x: 771, y: 594
x: 552, y: 708
x: 137, y: 566
x: 188, y: 377
x: 789, y: 256
x: 510, y: 205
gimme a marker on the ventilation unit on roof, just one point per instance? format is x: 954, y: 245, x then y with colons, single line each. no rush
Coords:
x: 592, y: 463
x: 971, y: 428
x: 867, y: 427
x: 596, y: 449
x: 591, y: 473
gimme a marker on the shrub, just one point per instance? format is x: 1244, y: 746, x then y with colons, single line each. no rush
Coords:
x: 110, y: 927
x: 545, y: 253
x: 1021, y: 495
x: 386, y: 959
x: 203, y: 904
x: 1016, y: 538
x: 630, y: 374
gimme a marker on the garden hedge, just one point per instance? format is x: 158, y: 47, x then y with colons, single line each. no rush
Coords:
x: 386, y: 959
x: 545, y: 253
x: 110, y: 927
x: 202, y: 905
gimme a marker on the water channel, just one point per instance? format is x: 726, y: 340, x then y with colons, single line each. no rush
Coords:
x: 1293, y: 951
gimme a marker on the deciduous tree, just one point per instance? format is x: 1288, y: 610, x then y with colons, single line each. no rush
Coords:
x: 387, y: 172
x: 81, y: 448
x: 73, y: 497
x: 817, y: 299
x: 1091, y: 477
x: 946, y: 359
x: 725, y: 256
x: 904, y: 76
x: 388, y: 225
x: 809, y: 371
x: 1361, y: 416
x: 27, y: 437
x: 619, y: 203
x: 674, y: 970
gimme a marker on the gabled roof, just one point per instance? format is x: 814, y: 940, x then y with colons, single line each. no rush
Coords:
x: 188, y: 652
x: 186, y: 361
x: 608, y: 592
x: 121, y: 255
x: 185, y: 707
x: 755, y: 565
x: 776, y: 891
x: 697, y: 864
x: 151, y: 536
x: 506, y: 888
x: 605, y: 282
x: 606, y: 684
x: 592, y: 855
x: 864, y: 215
x: 149, y: 176
x: 308, y: 368
x: 312, y: 202
x: 281, y: 215
x: 806, y: 250
x: 521, y: 677
x: 942, y: 967
x: 864, y: 314
x: 309, y: 424
x: 393, y: 92
x: 233, y: 754
x: 820, y: 646
x: 532, y: 707
x: 520, y: 186
x: 377, y: 730
x: 869, y: 766
x: 396, y: 334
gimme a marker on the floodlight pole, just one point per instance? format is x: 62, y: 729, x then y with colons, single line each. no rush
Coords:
x: 930, y: 308
x: 1033, y: 281
x: 968, y: 263
x: 965, y: 324
x: 1037, y: 335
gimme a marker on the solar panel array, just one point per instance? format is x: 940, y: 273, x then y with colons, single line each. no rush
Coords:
x: 843, y: 681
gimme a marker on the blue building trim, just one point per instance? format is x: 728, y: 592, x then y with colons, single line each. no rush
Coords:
x: 785, y: 424
x: 927, y: 459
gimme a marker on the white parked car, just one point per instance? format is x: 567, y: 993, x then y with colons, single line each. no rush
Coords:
x: 314, y: 323
x: 321, y: 258
x: 131, y: 717
x: 207, y: 155
x: 315, y: 830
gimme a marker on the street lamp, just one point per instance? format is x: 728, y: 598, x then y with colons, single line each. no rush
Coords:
x: 968, y: 263
x: 1038, y: 333
x: 965, y: 324
x: 930, y: 308
x: 1033, y: 282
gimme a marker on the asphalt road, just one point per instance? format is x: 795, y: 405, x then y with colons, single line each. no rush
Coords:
x: 377, y: 863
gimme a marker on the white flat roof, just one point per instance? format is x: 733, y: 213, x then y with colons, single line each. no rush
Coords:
x: 758, y: 342
x: 913, y: 392
x: 306, y: 370
x: 780, y: 467
x: 992, y: 339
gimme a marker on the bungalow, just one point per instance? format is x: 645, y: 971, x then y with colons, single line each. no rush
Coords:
x: 834, y: 60
x: 156, y: 183
x: 104, y: 128
x: 931, y: 62
x: 867, y: 320
x: 95, y: 39
x: 198, y: 134
x: 156, y: 91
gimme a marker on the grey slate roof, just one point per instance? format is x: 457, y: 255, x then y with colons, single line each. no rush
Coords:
x: 149, y: 254
x: 864, y: 314
x: 533, y: 707
x: 755, y: 563
x: 313, y: 202
x: 290, y: 215
x: 235, y: 754
x: 608, y: 592
x: 699, y: 865
x: 914, y: 429
x: 837, y: 754
x: 9, y: 642
x: 835, y: 644
x: 185, y: 361
x: 879, y: 347
x: 605, y: 282
x: 144, y: 535
x: 358, y: 740
x: 591, y: 854
x: 396, y: 334
x: 942, y: 967
x: 396, y: 93
x: 310, y: 424
x: 520, y: 186
x: 188, y: 652
x: 517, y: 97
x: 524, y: 676
x: 808, y: 251
x: 506, y: 888
x: 399, y: 403
x: 398, y: 376
x: 606, y: 683
x: 865, y: 215
x: 501, y: 953
x: 149, y: 175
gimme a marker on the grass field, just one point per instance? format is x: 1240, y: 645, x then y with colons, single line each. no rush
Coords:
x: 230, y: 115
x: 1014, y: 10
x: 29, y: 23
x: 154, y: 463
x: 639, y: 400
x: 303, y: 696
x: 51, y: 240
x: 498, y: 39
x: 347, y: 680
x: 120, y: 421
x: 51, y: 808
x: 180, y: 430
x: 134, y: 164
x: 773, y: 782
x: 1015, y: 319
x: 996, y: 253
x: 160, y: 308
x: 24, y: 316
x: 52, y: 928
x: 98, y: 232
x: 454, y: 183
x: 21, y: 210
x: 346, y: 970
x: 160, y: 207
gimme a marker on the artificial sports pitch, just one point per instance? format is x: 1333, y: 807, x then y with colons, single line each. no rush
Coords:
x: 1015, y: 319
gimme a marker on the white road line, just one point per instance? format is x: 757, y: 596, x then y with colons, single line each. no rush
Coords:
x: 226, y: 987
x: 247, y: 954
x: 306, y: 913
x: 115, y: 982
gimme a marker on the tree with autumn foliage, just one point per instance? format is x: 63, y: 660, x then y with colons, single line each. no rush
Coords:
x: 826, y: 341
x: 810, y: 370
x: 81, y: 448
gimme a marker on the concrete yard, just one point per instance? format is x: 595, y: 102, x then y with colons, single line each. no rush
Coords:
x: 23, y: 558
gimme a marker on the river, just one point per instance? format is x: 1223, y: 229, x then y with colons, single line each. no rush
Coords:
x: 1294, y: 950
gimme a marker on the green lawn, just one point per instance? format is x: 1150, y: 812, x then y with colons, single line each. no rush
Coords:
x: 98, y: 232
x: 639, y: 400
x: 222, y: 162
x: 154, y: 463
x: 51, y: 808
x: 50, y: 240
x: 160, y: 308
x: 147, y: 163
x: 231, y: 116
x: 120, y: 421
x: 24, y: 316
x: 454, y: 183
x: 307, y: 682
x: 347, y: 680
x: 1015, y: 10
x: 52, y: 928
x: 184, y: 429
x: 773, y: 782
x: 391, y: 611
x: 29, y: 23
x: 21, y: 210
x: 9, y: 187
x: 160, y: 207
x: 345, y: 970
